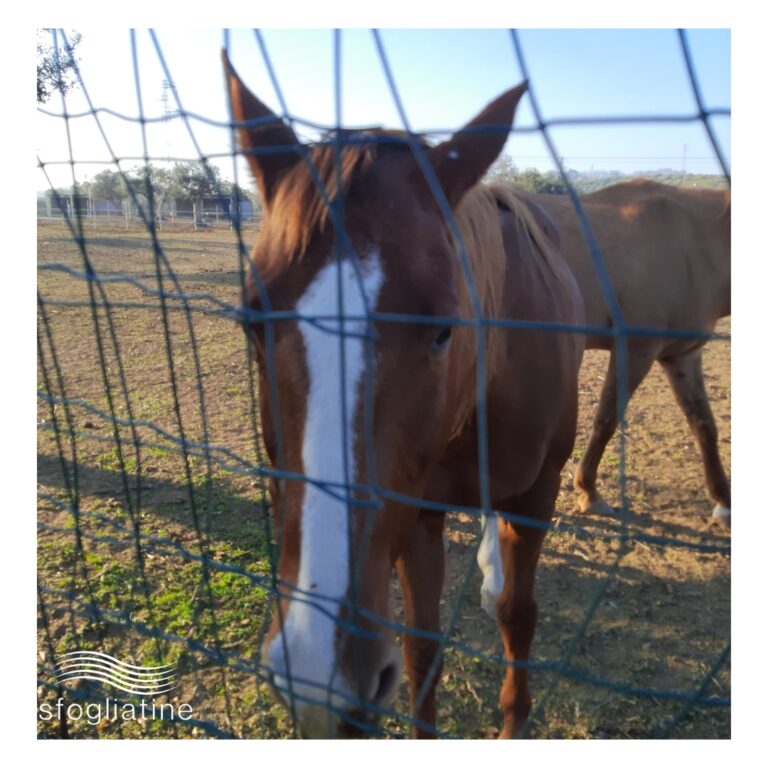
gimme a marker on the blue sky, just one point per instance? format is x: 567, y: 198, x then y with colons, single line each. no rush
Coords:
x: 443, y: 76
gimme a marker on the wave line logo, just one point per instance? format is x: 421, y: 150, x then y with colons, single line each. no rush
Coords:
x: 92, y: 665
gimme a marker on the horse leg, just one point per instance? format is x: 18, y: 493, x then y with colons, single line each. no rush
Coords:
x: 687, y: 379
x: 516, y: 607
x: 421, y: 569
x: 639, y: 362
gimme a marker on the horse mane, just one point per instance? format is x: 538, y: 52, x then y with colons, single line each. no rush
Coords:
x: 479, y: 223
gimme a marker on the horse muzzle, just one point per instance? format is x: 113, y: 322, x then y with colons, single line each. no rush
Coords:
x: 326, y: 706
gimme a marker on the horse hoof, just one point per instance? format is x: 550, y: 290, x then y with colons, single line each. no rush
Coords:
x: 722, y: 516
x: 597, y: 507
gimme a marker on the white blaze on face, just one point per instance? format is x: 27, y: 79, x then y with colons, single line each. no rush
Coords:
x: 328, y: 456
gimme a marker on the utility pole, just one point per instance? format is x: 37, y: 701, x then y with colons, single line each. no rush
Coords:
x: 168, y: 101
x: 169, y: 89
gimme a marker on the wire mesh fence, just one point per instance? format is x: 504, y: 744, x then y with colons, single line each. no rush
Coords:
x: 156, y: 542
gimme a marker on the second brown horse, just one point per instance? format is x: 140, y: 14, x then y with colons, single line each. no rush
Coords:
x: 667, y: 252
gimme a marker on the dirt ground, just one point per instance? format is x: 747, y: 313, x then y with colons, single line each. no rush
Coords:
x: 639, y: 619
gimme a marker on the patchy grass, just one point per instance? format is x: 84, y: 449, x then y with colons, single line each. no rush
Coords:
x: 173, y: 548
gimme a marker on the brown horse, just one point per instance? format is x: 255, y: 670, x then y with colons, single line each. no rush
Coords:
x: 364, y: 414
x: 667, y: 251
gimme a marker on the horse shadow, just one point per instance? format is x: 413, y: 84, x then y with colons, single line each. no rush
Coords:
x: 211, y: 507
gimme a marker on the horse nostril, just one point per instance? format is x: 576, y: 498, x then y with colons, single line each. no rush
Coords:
x: 387, y: 683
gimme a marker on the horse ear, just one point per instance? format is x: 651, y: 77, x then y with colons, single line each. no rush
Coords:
x: 461, y: 161
x: 269, y: 166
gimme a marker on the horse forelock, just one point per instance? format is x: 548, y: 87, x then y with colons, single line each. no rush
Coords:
x: 308, y: 190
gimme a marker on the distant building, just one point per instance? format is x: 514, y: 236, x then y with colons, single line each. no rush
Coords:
x: 213, y: 207
x: 103, y: 207
x: 64, y: 203
x: 246, y: 210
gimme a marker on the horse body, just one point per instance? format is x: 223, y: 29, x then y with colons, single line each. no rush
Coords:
x: 365, y: 415
x: 668, y: 256
x: 529, y: 399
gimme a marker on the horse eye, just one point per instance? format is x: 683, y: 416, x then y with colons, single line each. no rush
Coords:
x: 441, y: 340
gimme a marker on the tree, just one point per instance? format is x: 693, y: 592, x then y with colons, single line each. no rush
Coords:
x: 194, y: 180
x: 533, y: 180
x: 239, y: 194
x: 503, y: 171
x: 56, y: 64
x: 146, y: 180
x: 142, y: 182
x: 108, y: 185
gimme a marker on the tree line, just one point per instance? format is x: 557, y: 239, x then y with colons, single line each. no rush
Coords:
x: 504, y: 171
x: 192, y: 181
x: 195, y: 180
